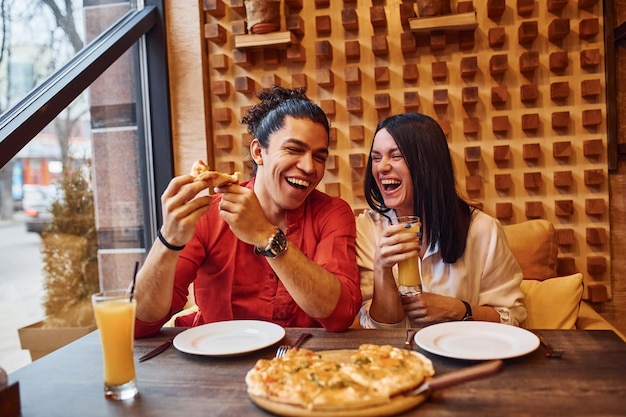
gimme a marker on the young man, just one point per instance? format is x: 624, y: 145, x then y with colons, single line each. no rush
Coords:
x: 272, y: 248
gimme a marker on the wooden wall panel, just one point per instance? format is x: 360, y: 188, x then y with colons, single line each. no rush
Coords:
x: 615, y: 309
x: 521, y: 99
x: 502, y: 132
x: 190, y: 110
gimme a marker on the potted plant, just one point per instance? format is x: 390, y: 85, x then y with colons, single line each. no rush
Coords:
x: 70, y: 266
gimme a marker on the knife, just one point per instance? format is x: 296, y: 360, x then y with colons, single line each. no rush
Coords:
x: 157, y: 351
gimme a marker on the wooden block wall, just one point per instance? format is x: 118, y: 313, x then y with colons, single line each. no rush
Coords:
x: 521, y: 97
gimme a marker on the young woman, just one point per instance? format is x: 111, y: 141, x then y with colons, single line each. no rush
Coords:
x: 273, y: 248
x: 467, y: 268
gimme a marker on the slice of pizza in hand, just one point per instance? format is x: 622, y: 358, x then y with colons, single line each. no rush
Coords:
x: 201, y: 172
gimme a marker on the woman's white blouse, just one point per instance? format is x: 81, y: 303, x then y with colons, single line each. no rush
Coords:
x: 486, y: 274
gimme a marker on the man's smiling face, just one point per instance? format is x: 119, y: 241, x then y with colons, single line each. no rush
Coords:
x: 293, y: 164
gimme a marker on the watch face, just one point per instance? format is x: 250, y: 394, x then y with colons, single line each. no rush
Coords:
x: 279, y: 243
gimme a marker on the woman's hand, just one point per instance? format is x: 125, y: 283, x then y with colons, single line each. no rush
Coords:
x: 396, y: 245
x: 182, y: 207
x: 428, y: 308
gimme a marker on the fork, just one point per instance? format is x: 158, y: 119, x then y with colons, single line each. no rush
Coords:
x: 409, y: 339
x: 282, y: 349
x: 551, y: 351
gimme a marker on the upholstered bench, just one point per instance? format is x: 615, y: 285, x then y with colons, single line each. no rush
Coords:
x: 552, y: 301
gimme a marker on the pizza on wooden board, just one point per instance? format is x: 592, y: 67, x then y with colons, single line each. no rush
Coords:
x: 200, y: 171
x: 369, y: 376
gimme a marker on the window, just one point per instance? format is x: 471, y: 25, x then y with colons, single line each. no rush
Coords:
x: 105, y: 90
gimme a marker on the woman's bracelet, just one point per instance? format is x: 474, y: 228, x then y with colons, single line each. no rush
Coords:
x: 168, y: 244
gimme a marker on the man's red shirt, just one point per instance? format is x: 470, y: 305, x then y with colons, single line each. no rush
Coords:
x: 232, y: 282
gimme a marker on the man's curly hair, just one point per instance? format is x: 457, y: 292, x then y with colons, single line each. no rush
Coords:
x: 270, y: 99
x: 277, y: 102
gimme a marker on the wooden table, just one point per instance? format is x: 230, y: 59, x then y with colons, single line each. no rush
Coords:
x: 590, y: 379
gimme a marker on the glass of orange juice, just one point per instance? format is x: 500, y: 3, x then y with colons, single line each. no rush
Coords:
x: 409, y: 279
x: 115, y: 317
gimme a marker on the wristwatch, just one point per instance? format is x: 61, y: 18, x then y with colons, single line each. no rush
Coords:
x: 276, y: 245
x: 468, y: 312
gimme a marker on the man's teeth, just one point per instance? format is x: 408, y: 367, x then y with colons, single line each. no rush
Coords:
x: 298, y: 182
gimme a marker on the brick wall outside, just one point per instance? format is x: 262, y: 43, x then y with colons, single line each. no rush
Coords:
x: 116, y: 156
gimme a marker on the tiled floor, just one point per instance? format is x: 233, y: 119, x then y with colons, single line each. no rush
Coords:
x: 20, y: 290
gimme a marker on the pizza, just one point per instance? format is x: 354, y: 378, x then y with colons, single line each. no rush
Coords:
x: 201, y: 172
x: 369, y: 376
x: 389, y: 370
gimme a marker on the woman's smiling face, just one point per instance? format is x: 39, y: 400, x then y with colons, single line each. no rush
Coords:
x: 392, y: 174
x: 293, y: 164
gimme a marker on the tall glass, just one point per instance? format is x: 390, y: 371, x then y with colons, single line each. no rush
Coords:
x: 115, y: 317
x: 409, y: 279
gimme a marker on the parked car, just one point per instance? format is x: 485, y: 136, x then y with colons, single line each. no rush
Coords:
x: 36, y: 204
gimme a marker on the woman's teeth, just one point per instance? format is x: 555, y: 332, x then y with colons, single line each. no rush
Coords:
x: 390, y: 184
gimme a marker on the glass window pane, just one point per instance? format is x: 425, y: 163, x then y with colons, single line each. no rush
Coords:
x: 95, y: 152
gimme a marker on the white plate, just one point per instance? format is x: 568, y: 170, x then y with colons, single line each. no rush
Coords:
x: 476, y: 340
x: 226, y: 338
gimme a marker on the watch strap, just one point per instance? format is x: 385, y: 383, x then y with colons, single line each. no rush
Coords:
x: 468, y: 311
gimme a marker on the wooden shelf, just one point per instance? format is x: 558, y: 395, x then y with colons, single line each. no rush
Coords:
x: 457, y: 21
x: 264, y: 39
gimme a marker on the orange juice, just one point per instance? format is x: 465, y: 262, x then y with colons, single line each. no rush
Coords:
x: 409, y: 279
x: 116, y: 323
x: 409, y: 272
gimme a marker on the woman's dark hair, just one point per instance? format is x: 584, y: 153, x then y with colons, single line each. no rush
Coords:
x: 423, y: 144
x: 277, y: 102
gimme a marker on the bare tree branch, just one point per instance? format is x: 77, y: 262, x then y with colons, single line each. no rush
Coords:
x: 4, y: 29
x: 66, y: 22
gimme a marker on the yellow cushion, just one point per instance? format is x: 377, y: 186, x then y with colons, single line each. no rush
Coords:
x: 553, y: 303
x: 533, y: 243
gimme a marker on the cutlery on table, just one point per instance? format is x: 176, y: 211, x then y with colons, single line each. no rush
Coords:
x: 157, y: 351
x: 282, y: 349
x: 462, y: 375
x: 551, y: 351
x: 408, y: 342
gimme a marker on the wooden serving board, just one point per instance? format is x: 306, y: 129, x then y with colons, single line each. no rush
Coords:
x: 396, y: 405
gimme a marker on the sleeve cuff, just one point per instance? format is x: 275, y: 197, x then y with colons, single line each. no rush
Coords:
x: 367, y: 322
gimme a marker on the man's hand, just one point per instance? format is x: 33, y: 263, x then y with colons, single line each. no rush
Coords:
x: 240, y: 208
x: 182, y: 207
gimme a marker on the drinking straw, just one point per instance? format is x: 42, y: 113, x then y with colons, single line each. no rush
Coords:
x: 132, y: 287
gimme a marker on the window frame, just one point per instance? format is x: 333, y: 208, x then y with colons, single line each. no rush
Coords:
x: 144, y: 27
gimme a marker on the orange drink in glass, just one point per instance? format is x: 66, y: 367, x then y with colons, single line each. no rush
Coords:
x: 409, y: 279
x: 115, y: 317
